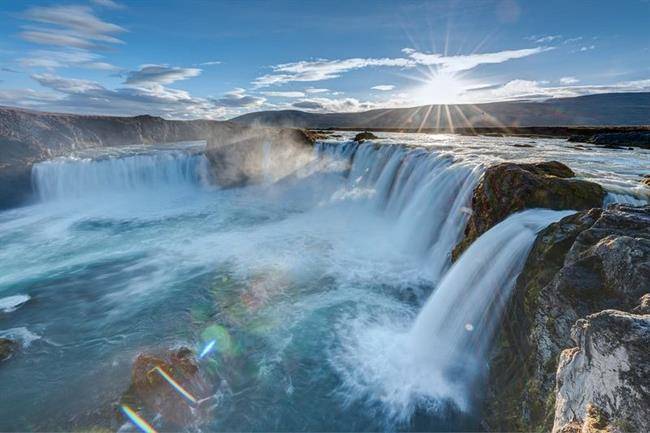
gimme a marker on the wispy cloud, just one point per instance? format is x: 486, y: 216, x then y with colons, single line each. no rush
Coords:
x: 52, y: 59
x: 333, y: 105
x: 85, y: 96
x: 383, y: 87
x: 288, y: 94
x: 569, y: 80
x: 318, y: 70
x: 69, y: 26
x: 160, y: 74
x: 109, y: 4
x: 543, y: 39
x: 237, y: 98
x: 316, y: 90
x: 210, y: 63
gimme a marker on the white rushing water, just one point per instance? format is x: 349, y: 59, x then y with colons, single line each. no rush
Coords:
x: 334, y: 286
x: 74, y: 177
x: 436, y: 360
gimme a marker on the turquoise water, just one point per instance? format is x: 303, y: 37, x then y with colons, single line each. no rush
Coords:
x: 137, y: 253
x: 315, y: 287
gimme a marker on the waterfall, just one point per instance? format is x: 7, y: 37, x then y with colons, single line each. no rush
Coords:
x: 436, y: 359
x: 70, y: 177
x: 426, y: 193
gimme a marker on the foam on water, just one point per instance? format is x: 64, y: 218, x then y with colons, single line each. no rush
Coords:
x: 12, y: 303
x: 318, y: 278
x: 437, y: 359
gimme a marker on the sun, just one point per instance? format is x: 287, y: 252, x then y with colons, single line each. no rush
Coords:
x: 440, y: 87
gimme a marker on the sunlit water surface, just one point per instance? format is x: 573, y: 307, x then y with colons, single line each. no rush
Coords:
x: 306, y: 281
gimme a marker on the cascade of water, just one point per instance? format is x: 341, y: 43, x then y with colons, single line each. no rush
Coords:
x: 69, y: 178
x: 441, y: 355
x: 425, y: 192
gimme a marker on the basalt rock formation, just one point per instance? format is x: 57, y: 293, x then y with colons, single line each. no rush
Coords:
x: 508, y: 187
x: 365, y: 136
x: 588, y: 262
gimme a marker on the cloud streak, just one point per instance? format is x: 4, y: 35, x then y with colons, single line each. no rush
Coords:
x: 160, y: 74
x: 322, y: 69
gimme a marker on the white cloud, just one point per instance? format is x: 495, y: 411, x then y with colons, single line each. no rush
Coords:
x: 569, y: 80
x: 109, y: 4
x: 587, y: 48
x: 210, y: 63
x: 470, y: 61
x: 544, y: 39
x: 69, y: 26
x: 52, y: 59
x: 531, y: 90
x: 383, y: 87
x: 333, y: 105
x: 237, y: 98
x: 289, y: 94
x: 316, y: 90
x: 160, y: 74
x: 318, y: 70
x: 85, y: 96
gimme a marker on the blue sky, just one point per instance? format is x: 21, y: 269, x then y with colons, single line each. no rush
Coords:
x: 193, y: 59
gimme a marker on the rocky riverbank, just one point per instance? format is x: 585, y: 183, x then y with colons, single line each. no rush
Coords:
x: 571, y: 351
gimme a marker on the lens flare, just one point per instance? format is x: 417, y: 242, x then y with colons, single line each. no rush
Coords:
x: 177, y: 386
x: 208, y: 348
x: 137, y: 420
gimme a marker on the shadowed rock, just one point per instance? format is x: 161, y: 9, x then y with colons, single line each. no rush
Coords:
x: 7, y: 348
x: 365, y: 136
x: 507, y: 188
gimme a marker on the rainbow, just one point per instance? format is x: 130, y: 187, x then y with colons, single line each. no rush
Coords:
x: 208, y: 348
x: 137, y: 420
x: 177, y: 386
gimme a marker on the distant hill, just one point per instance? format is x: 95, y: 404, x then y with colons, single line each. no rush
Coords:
x: 625, y: 109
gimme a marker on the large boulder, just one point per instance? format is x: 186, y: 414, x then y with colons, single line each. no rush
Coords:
x: 603, y: 384
x: 585, y: 263
x: 366, y: 135
x: 509, y: 187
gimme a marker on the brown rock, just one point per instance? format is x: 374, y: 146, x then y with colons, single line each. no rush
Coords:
x: 507, y: 188
x: 7, y: 348
x: 365, y: 136
x: 150, y: 392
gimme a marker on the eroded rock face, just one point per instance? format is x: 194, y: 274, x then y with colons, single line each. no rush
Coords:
x: 586, y: 263
x: 510, y: 187
x: 150, y: 392
x: 607, y: 376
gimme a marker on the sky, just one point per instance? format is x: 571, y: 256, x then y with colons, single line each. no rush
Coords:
x: 220, y: 59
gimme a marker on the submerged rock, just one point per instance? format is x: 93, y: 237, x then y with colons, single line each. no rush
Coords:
x: 149, y: 391
x: 7, y: 348
x: 604, y: 383
x: 588, y: 262
x: 507, y: 188
x: 366, y: 135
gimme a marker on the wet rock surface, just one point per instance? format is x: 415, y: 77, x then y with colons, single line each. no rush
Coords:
x: 365, y: 136
x: 7, y: 348
x: 507, y: 188
x: 588, y: 262
x: 150, y: 393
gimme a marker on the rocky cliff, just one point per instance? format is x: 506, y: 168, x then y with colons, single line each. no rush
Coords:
x: 27, y: 137
x: 586, y: 263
